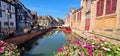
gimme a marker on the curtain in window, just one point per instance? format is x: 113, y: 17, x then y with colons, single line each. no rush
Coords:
x: 79, y: 16
x: 111, y: 6
x: 114, y: 5
x: 75, y: 17
x: 100, y: 7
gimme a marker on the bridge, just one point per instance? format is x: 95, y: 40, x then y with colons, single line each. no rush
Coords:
x: 62, y: 26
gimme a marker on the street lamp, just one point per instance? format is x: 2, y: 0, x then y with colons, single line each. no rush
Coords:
x: 8, y: 14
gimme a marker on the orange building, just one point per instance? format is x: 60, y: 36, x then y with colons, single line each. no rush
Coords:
x: 99, y: 16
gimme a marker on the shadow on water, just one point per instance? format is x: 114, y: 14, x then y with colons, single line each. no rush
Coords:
x: 43, y: 43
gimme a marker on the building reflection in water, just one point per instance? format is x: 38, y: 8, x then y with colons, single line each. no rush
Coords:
x: 27, y: 46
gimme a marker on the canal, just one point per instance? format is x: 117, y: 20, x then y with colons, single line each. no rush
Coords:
x: 44, y: 45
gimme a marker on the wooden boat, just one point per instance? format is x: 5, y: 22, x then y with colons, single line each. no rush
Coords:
x: 67, y: 30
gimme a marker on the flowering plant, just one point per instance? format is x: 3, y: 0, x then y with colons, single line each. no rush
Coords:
x: 90, y: 47
x: 8, y: 49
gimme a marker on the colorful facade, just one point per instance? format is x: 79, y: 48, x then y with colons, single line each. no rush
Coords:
x: 45, y: 21
x: 23, y: 16
x: 7, y: 16
x: 100, y: 16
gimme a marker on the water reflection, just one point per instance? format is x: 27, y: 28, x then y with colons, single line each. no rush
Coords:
x: 44, y: 45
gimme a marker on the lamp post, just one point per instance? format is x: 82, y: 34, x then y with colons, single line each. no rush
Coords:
x: 8, y: 13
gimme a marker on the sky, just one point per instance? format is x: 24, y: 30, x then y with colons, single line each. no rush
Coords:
x: 55, y: 8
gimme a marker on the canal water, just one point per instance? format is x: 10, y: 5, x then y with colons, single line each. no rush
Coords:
x: 44, y: 45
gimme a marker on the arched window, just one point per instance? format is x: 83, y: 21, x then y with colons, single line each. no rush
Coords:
x: 100, y: 7
x: 111, y: 6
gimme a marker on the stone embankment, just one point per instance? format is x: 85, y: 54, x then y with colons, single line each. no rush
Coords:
x: 23, y: 38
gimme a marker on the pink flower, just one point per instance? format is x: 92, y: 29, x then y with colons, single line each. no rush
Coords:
x: 87, y: 46
x: 90, y: 52
x: 1, y: 49
x: 2, y: 44
x: 81, y: 53
x: 101, y: 40
x: 99, y: 54
x: 59, y: 50
x: 77, y: 42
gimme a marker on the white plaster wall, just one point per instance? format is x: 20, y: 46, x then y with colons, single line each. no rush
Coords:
x: 4, y: 17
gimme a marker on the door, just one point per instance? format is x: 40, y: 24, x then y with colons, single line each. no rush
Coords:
x: 87, y: 24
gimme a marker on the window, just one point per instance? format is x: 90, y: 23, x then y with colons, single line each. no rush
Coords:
x: 87, y: 21
x: 79, y: 16
x: 9, y: 7
x: 11, y: 23
x: 100, y: 7
x: 88, y: 4
x: 87, y: 24
x: 6, y: 23
x: 111, y: 6
x: 114, y: 5
x: 88, y: 15
x: 75, y: 17
x: 107, y: 6
x: 0, y: 13
x: 10, y: 16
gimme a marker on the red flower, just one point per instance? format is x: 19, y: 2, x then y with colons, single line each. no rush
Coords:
x: 104, y: 51
x: 59, y: 50
x: 95, y: 36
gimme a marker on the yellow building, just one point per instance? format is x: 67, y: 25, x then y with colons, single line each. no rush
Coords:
x: 99, y: 16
